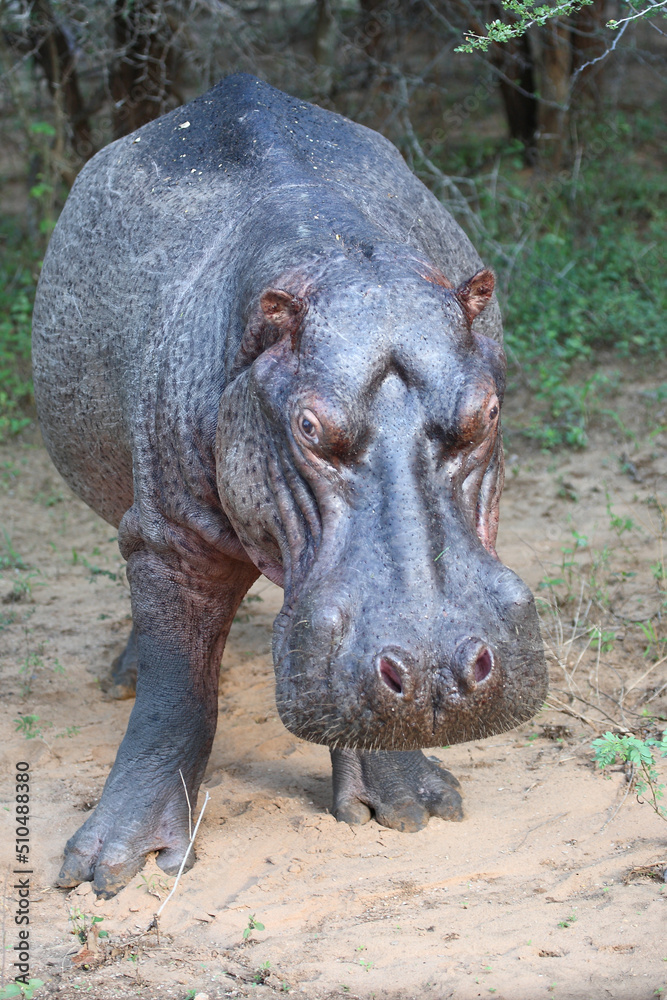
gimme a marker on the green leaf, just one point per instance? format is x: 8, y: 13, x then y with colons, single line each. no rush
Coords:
x: 42, y: 128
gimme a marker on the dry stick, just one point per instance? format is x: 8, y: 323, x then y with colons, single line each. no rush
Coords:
x: 185, y: 858
x: 656, y: 695
x: 645, y: 674
x: 601, y: 710
x: 560, y: 707
x: 187, y: 799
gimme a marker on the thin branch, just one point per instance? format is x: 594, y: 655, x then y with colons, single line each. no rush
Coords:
x: 185, y: 858
x: 561, y: 707
x: 187, y: 799
x: 591, y: 62
x: 642, y: 13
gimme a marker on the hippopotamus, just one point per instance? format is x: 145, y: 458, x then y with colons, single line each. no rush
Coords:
x: 261, y: 345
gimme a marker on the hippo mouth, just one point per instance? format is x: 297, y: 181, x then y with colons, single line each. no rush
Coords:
x: 396, y: 701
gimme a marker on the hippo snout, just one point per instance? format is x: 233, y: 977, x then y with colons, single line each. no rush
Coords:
x: 354, y: 681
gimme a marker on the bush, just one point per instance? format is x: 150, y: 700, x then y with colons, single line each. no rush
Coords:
x: 18, y: 279
x: 581, y: 265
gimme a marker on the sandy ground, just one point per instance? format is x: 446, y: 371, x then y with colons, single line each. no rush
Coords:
x: 539, y: 892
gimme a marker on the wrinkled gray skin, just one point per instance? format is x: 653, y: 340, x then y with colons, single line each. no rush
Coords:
x: 254, y: 351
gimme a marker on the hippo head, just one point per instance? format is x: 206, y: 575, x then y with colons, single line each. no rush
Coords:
x: 360, y: 462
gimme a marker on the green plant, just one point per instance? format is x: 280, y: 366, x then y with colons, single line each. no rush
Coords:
x: 18, y: 278
x: 94, y: 570
x: 602, y: 639
x: 27, y: 726
x: 619, y: 524
x: 655, y: 647
x: 84, y: 924
x: 26, y: 990
x: 572, y: 278
x: 156, y: 885
x: 9, y: 557
x: 21, y: 588
x: 569, y: 565
x: 253, y: 925
x: 6, y: 620
x: 262, y: 974
x: 640, y: 753
x: 568, y: 921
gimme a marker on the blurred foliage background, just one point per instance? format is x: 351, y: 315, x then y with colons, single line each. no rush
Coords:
x: 549, y: 148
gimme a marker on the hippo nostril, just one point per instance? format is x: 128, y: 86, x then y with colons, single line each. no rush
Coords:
x: 483, y: 665
x: 472, y: 663
x: 390, y: 676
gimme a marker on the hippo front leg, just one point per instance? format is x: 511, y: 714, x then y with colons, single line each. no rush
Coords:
x: 182, y: 614
x: 403, y: 789
x: 123, y: 681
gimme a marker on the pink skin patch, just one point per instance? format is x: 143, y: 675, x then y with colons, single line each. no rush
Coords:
x: 391, y: 676
x: 483, y: 666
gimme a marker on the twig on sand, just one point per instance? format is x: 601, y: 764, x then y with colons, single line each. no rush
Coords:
x: 558, y: 706
x: 156, y: 916
x: 187, y: 799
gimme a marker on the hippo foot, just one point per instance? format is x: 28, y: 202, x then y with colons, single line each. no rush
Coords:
x: 111, y: 846
x: 403, y: 789
x: 122, y: 683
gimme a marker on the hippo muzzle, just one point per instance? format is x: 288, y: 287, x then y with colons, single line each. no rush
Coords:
x: 375, y: 668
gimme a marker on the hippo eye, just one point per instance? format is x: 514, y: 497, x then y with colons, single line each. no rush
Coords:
x: 309, y: 426
x: 493, y: 412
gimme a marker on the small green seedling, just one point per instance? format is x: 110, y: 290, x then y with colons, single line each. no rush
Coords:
x: 156, y: 885
x: 9, y: 557
x: 83, y: 924
x: 27, y: 725
x: 253, y: 925
x: 262, y: 974
x: 656, y: 644
x: 572, y: 919
x: 26, y: 990
x: 70, y: 731
x: 602, y: 639
x: 631, y: 749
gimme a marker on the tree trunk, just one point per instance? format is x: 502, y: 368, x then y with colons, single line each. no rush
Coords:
x: 141, y: 77
x: 589, y: 42
x: 54, y: 54
x: 515, y: 61
x: 555, y: 92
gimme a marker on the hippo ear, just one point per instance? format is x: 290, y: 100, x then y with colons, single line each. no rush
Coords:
x: 279, y: 313
x: 475, y: 293
x: 282, y: 309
